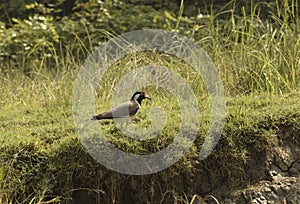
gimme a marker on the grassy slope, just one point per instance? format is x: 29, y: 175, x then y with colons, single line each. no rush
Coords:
x: 42, y: 158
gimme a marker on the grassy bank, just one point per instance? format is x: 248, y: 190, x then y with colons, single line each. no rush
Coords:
x: 42, y: 158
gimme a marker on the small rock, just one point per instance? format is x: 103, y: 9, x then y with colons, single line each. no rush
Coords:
x: 272, y: 174
x: 295, y: 169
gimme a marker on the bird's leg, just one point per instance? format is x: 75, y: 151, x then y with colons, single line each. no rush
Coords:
x: 126, y: 123
x: 122, y: 121
x: 121, y: 124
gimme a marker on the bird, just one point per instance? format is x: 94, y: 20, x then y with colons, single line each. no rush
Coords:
x: 126, y: 109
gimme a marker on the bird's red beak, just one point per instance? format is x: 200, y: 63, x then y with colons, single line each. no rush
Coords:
x: 148, y: 97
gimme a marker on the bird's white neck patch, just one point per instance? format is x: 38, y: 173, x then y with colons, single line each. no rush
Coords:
x: 136, y: 97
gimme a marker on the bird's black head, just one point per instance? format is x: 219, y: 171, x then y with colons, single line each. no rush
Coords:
x: 139, y: 96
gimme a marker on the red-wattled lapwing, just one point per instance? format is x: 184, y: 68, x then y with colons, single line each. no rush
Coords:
x: 126, y: 109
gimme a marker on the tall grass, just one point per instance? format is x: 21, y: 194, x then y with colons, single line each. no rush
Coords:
x: 254, y: 51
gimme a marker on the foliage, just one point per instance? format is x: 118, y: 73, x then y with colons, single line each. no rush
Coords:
x: 29, y: 39
x: 254, y: 44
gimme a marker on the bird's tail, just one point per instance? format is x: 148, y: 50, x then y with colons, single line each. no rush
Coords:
x: 96, y: 117
x: 103, y: 116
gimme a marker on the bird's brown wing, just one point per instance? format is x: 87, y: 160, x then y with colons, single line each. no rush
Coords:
x: 123, y: 110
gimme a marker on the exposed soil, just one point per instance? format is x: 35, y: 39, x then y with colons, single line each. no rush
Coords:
x: 271, y: 176
x: 277, y: 173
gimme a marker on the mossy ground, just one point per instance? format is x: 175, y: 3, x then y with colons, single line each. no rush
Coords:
x: 42, y: 158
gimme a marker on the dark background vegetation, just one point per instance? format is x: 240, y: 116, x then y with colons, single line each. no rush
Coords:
x: 36, y: 29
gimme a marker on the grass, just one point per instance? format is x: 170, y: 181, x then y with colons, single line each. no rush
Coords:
x: 42, y: 160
